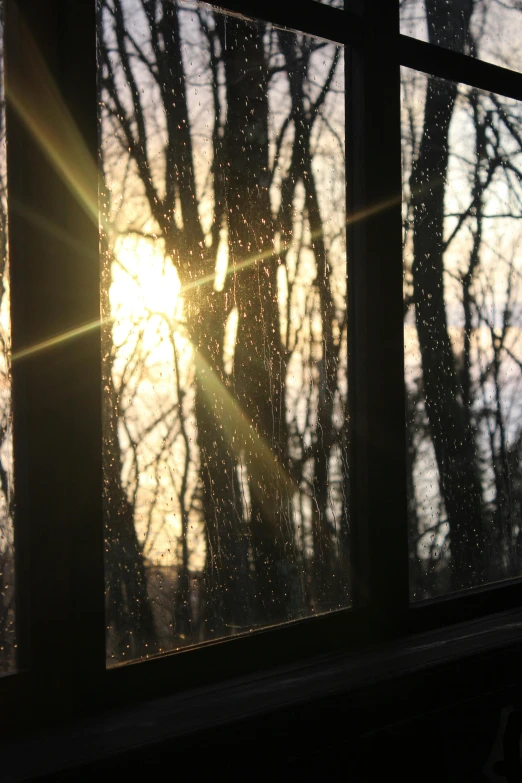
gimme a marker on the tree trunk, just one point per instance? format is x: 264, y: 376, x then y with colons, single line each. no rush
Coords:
x: 260, y: 362
x: 453, y: 437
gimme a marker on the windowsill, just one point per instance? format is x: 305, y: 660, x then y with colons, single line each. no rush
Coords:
x: 393, y: 675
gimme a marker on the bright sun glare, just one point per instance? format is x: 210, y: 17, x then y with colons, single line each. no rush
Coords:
x: 144, y: 280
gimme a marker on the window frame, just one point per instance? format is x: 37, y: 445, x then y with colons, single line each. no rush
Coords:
x: 57, y: 447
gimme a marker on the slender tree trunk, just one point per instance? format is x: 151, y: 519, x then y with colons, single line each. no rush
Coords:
x: 453, y: 438
x: 226, y: 567
x: 324, y: 567
x: 260, y: 362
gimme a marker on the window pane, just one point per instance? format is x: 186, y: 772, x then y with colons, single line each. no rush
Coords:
x: 7, y: 585
x: 462, y: 175
x: 224, y: 292
x: 487, y: 29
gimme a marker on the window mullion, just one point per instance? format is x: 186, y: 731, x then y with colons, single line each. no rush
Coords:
x: 53, y: 223
x: 454, y: 66
x: 377, y: 352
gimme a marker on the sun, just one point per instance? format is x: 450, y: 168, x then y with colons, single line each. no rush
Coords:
x: 144, y: 280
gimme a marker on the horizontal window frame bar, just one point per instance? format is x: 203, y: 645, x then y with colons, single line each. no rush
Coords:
x: 312, y: 18
x: 465, y: 606
x: 443, y: 63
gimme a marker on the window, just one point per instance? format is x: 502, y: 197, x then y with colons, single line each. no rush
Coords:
x: 296, y: 421
x: 464, y: 464
x: 225, y: 360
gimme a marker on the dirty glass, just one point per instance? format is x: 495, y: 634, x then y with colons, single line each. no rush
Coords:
x: 487, y: 29
x: 7, y: 582
x: 225, y: 331
x: 462, y: 210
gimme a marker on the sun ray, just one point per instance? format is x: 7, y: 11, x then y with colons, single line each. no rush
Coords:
x: 52, y: 342
x: 45, y: 114
x: 269, y: 477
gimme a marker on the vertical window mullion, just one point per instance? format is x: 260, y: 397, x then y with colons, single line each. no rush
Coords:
x: 377, y: 353
x: 53, y: 220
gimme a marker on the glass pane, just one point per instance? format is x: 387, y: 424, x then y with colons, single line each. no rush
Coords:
x: 462, y: 178
x: 488, y: 29
x: 224, y: 296
x: 7, y: 585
